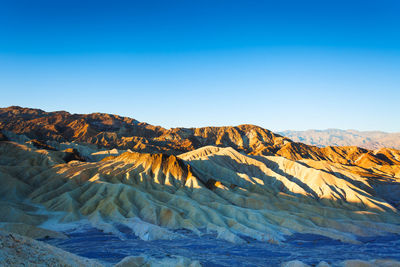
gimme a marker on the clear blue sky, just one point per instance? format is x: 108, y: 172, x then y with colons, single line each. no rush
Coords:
x: 277, y: 64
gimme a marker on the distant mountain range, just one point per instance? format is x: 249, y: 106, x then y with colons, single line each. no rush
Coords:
x: 336, y: 137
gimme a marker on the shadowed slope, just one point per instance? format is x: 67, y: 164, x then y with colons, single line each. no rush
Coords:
x: 337, y: 198
x: 218, y: 189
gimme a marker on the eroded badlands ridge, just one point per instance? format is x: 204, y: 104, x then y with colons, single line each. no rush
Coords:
x: 239, y: 182
x: 112, y: 131
x: 218, y: 189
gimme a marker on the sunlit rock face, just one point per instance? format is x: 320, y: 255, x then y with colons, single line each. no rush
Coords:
x: 112, y: 131
x: 90, y: 132
x: 59, y: 170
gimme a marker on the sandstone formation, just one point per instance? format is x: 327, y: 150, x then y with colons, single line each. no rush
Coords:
x: 218, y: 189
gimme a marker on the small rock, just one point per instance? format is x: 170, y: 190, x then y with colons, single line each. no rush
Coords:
x: 295, y: 263
x: 323, y: 264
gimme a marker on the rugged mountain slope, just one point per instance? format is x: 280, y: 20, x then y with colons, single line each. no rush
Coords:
x: 212, y: 188
x: 335, y: 137
x: 112, y: 131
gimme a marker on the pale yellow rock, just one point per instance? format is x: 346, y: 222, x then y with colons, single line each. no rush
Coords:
x: 133, y: 261
x: 220, y: 189
x: 386, y: 263
x: 142, y: 260
x: 356, y: 263
x: 323, y: 264
x: 295, y: 263
x: 375, y: 263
